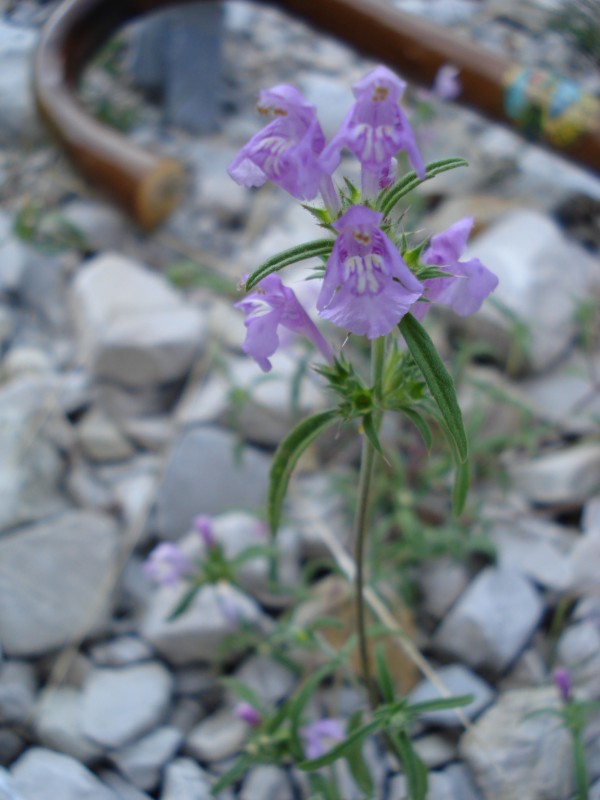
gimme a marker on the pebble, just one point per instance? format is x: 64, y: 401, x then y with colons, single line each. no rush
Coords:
x: 185, y: 780
x: 18, y: 118
x: 51, y: 576
x: 270, y: 680
x: 216, y: 737
x: 442, y: 581
x: 492, y: 621
x: 142, y: 761
x: 120, y: 652
x: 17, y: 692
x: 101, y: 440
x: 42, y: 774
x: 7, y: 789
x: 265, y: 782
x: 568, y: 476
x: 458, y: 680
x: 120, y: 704
x: 58, y: 724
x: 122, y: 788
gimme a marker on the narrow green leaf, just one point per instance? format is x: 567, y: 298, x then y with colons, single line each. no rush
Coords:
x: 243, y: 691
x: 185, y: 602
x: 232, y: 775
x: 438, y: 379
x: 461, y: 487
x: 343, y: 747
x: 414, y: 769
x: 296, y: 706
x: 286, y: 458
x: 360, y: 770
x: 441, y: 704
x: 384, y: 678
x: 321, y: 789
x: 320, y: 247
x: 389, y: 198
x: 420, y: 423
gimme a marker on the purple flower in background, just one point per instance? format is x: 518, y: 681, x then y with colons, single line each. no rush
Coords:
x: 468, y: 282
x: 446, y: 85
x: 248, y: 714
x: 562, y: 681
x: 321, y: 736
x: 287, y: 150
x: 375, y: 129
x: 167, y: 564
x: 270, y: 305
x: 203, y: 526
x: 367, y: 287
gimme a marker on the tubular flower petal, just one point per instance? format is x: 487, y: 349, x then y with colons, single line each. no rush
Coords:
x: 287, y: 150
x: 468, y: 282
x: 367, y: 287
x: 272, y: 305
x: 375, y: 129
x: 167, y: 564
x: 321, y: 736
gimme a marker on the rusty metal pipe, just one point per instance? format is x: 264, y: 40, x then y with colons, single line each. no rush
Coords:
x: 150, y: 187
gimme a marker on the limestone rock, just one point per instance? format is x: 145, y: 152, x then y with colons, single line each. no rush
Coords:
x: 17, y: 692
x: 50, y: 578
x: 58, y: 724
x: 41, y: 774
x: 217, y: 737
x: 185, y: 780
x: 142, y: 761
x: 18, y: 120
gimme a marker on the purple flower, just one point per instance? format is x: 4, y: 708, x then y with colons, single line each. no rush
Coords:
x: 204, y: 528
x: 167, y: 564
x: 446, y: 85
x: 270, y: 305
x: 321, y: 736
x: 287, y: 150
x: 367, y: 287
x: 468, y: 282
x: 375, y: 129
x: 248, y: 714
x: 562, y: 681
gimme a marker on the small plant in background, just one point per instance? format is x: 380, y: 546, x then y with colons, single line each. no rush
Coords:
x: 579, y: 22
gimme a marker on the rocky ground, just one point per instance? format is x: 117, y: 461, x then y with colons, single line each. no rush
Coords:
x: 127, y: 408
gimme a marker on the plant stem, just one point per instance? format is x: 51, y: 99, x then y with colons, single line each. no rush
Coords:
x: 360, y: 524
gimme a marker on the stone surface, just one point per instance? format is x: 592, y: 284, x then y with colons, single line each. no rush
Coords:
x: 58, y: 724
x: 269, y: 679
x: 265, y: 782
x: 492, y: 621
x: 41, y: 774
x: 510, y: 756
x: 121, y: 787
x: 50, y: 581
x: 216, y: 737
x: 185, y: 780
x: 578, y: 649
x: 101, y: 440
x: 134, y: 328
x: 17, y: 692
x: 18, y: 120
x: 206, y: 474
x: 568, y: 476
x: 7, y: 787
x: 458, y: 680
x: 121, y: 652
x: 442, y: 581
x: 143, y: 760
x: 206, y: 627
x: 120, y: 704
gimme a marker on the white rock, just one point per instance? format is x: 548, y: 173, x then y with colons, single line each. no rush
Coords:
x: 492, y: 621
x: 57, y: 724
x: 265, y: 782
x: 19, y: 124
x: 44, y: 775
x: 134, y: 328
x: 17, y: 692
x: 568, y: 476
x: 200, y: 633
x: 185, y: 780
x: 270, y: 680
x: 458, y: 680
x: 101, y: 440
x: 527, y: 251
x: 100, y: 225
x: 120, y: 652
x: 7, y: 788
x: 143, y: 760
x: 121, y: 787
x: 442, y: 581
x: 511, y: 756
x: 217, y: 737
x: 50, y: 581
x: 120, y: 704
x: 578, y: 650
x: 205, y: 475
x: 435, y: 750
x: 23, y: 360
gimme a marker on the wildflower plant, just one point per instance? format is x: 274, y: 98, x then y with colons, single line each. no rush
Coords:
x: 376, y: 282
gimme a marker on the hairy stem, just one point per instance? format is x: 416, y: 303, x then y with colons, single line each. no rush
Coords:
x: 360, y: 525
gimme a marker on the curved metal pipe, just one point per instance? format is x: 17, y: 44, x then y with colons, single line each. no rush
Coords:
x: 150, y: 187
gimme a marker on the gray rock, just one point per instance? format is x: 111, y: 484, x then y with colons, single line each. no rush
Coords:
x: 578, y: 649
x: 24, y: 360
x: 100, y: 225
x: 18, y: 121
x: 201, y: 633
x: 266, y: 782
x: 217, y: 737
x: 7, y: 787
x: 442, y: 581
x: 454, y: 783
x: 269, y: 679
x: 101, y: 440
x: 510, y: 756
x: 50, y: 581
x: 121, y: 787
x: 568, y: 476
x: 185, y: 780
x: 11, y: 744
x: 316, y: 496
x: 41, y: 774
x: 459, y: 680
x: 492, y: 621
x: 143, y: 760
x: 30, y: 465
x: 17, y: 692
x: 134, y: 328
x: 120, y: 704
x: 528, y: 253
x: 58, y: 725
x: 121, y: 652
x: 435, y: 750
x: 206, y: 474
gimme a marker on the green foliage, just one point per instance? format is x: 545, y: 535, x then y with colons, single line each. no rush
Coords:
x: 579, y: 22
x: 47, y: 231
x: 319, y: 247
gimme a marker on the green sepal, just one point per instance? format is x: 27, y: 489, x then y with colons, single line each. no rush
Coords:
x: 438, y: 379
x: 353, y: 193
x: 322, y: 215
x: 388, y: 199
x: 286, y: 457
x: 319, y: 247
x: 370, y: 430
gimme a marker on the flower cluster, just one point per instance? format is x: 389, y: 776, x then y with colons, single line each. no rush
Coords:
x: 367, y: 286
